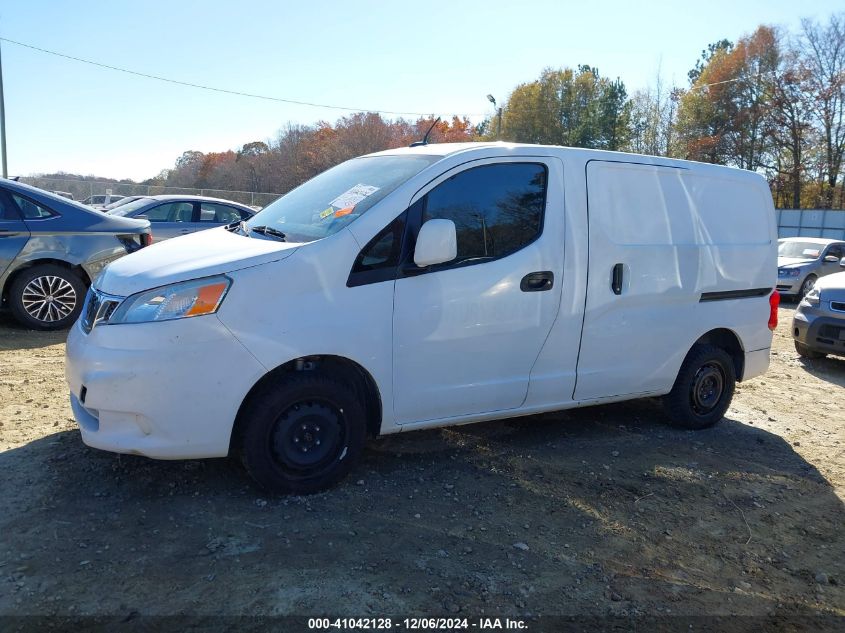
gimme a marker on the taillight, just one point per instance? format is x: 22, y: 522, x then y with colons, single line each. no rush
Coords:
x: 146, y: 238
x: 774, y: 302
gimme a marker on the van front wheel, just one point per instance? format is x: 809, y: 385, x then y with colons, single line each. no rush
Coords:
x: 302, y: 434
x: 703, y: 389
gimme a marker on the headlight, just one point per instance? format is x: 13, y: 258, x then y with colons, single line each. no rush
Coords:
x: 789, y: 272
x: 176, y: 301
x: 812, y: 297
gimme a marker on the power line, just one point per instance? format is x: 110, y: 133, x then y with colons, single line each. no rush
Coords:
x: 214, y: 89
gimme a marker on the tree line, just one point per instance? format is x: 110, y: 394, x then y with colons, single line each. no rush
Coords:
x: 771, y: 102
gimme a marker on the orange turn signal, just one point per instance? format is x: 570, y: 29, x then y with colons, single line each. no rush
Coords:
x: 208, y: 298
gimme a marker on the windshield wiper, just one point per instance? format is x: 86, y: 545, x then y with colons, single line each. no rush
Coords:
x: 265, y: 230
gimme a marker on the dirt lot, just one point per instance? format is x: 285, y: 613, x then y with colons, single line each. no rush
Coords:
x: 596, y: 511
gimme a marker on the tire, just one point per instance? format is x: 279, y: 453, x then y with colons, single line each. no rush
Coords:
x: 306, y: 412
x: 703, y: 389
x: 807, y: 286
x: 47, y: 297
x: 808, y: 352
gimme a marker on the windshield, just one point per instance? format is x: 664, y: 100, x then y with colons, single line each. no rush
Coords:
x: 800, y: 250
x: 130, y: 207
x: 332, y: 200
x: 121, y: 202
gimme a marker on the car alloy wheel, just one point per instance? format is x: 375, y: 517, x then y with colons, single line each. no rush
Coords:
x: 49, y: 298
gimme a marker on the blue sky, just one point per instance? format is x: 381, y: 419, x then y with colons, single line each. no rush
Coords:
x: 433, y: 56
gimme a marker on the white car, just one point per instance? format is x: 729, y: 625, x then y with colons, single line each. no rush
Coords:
x: 430, y: 286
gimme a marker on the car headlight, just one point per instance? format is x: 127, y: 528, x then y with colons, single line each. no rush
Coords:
x: 812, y: 297
x: 176, y: 301
x: 789, y: 272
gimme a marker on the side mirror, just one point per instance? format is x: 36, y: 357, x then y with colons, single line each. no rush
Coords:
x: 142, y: 217
x: 437, y: 243
x: 831, y: 259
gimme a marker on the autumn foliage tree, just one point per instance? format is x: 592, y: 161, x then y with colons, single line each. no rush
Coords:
x: 300, y: 152
x: 578, y: 108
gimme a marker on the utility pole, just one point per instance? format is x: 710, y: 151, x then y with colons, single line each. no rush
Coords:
x: 492, y: 100
x: 3, y: 121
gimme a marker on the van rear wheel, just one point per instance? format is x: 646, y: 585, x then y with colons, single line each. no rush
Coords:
x: 703, y: 389
x: 302, y: 434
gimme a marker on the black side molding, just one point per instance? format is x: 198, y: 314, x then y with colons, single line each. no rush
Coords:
x: 724, y: 295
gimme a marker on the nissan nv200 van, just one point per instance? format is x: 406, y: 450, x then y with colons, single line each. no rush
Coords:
x: 428, y: 286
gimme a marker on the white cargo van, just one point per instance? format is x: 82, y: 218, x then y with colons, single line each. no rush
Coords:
x: 430, y: 286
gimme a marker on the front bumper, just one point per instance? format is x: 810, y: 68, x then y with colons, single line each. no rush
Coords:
x: 789, y: 285
x: 168, y: 390
x: 820, y: 329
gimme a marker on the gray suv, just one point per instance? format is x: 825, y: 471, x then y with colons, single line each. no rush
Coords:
x: 803, y: 260
x: 818, y: 326
x: 51, y: 249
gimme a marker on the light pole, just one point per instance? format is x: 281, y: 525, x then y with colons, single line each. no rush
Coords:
x: 492, y: 100
x: 3, y: 123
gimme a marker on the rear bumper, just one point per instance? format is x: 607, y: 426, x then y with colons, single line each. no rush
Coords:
x: 168, y: 390
x: 756, y: 363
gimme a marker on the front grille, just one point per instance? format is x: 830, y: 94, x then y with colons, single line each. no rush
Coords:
x: 98, y: 308
x: 89, y: 312
x: 831, y: 331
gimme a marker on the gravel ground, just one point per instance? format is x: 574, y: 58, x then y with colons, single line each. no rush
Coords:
x: 600, y: 511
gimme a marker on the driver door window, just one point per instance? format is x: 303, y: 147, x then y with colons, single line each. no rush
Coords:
x: 497, y: 209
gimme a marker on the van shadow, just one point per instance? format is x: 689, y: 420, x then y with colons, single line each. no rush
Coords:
x: 602, y: 511
x: 14, y: 336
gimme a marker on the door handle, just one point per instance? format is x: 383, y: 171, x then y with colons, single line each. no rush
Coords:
x: 538, y: 281
x: 616, y: 279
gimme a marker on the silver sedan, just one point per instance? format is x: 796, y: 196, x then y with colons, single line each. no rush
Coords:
x: 174, y: 215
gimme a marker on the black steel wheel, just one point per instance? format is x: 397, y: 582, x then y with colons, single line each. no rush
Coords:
x: 703, y: 389
x: 302, y: 433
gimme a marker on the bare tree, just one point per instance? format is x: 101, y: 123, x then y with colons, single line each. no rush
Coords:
x: 824, y: 57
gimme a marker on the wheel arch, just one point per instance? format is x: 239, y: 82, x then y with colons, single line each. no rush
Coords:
x: 727, y: 340
x: 78, y: 270
x: 339, y: 368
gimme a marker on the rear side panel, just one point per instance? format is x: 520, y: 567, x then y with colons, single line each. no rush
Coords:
x: 667, y: 236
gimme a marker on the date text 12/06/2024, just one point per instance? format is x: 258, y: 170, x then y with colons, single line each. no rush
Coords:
x: 416, y: 624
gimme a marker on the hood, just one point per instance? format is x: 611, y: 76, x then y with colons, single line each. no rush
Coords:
x: 832, y: 287
x: 793, y: 261
x: 201, y: 254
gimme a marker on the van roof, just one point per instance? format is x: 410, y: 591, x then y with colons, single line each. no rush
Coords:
x: 447, y: 149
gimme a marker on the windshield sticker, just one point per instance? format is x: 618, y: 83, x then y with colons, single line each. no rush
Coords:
x: 353, y: 196
x: 326, y: 213
x: 811, y: 252
x: 341, y: 212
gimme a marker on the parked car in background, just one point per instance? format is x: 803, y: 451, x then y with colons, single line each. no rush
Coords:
x: 98, y: 202
x: 430, y: 286
x: 818, y: 326
x: 121, y: 202
x: 174, y: 215
x: 803, y: 260
x: 51, y: 248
